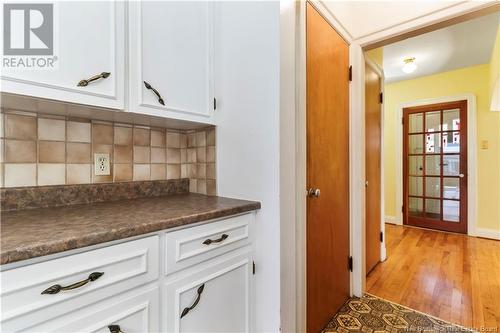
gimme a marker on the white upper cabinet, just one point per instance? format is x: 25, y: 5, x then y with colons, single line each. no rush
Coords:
x: 171, y: 59
x: 89, y: 43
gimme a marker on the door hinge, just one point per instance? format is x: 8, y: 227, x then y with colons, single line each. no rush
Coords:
x: 381, y: 237
x: 402, y: 209
x: 215, y: 103
x: 402, y: 121
x: 253, y: 267
x: 350, y: 264
x: 381, y: 98
x: 350, y: 73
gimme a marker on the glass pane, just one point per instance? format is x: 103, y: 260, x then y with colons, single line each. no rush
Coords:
x: 416, y: 167
x: 451, y: 188
x: 432, y: 143
x: 416, y: 123
x: 451, y: 142
x: 433, y: 208
x: 451, y: 120
x: 451, y: 210
x: 416, y: 144
x: 415, y: 186
x: 433, y: 187
x: 451, y: 165
x: 415, y: 206
x: 432, y: 165
x: 433, y: 121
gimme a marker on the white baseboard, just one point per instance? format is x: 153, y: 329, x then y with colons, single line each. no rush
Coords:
x: 487, y: 233
x: 383, y: 252
x: 392, y: 220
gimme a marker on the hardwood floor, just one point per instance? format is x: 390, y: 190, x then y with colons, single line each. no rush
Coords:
x: 450, y: 276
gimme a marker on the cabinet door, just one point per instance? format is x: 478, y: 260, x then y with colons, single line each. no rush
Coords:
x: 134, y: 312
x: 88, y: 40
x: 171, y: 49
x: 216, y: 299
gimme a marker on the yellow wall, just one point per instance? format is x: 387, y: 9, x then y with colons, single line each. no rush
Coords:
x: 377, y: 56
x: 494, y: 73
x: 495, y: 61
x: 471, y: 80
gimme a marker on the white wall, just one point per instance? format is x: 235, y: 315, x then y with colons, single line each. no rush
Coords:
x: 289, y: 184
x: 247, y: 89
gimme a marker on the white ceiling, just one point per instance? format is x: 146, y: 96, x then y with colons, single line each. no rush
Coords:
x: 363, y: 18
x: 465, y: 44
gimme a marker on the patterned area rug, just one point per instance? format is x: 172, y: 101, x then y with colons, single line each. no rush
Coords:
x: 371, y: 314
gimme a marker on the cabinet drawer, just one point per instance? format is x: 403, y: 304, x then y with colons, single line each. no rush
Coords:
x: 134, y: 312
x: 216, y: 299
x: 190, y: 246
x: 124, y: 265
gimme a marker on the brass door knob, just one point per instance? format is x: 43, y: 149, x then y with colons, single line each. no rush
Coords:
x: 313, y: 192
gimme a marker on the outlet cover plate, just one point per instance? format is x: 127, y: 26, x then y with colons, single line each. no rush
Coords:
x: 101, y: 164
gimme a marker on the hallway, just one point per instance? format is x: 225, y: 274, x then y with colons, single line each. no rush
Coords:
x: 450, y: 276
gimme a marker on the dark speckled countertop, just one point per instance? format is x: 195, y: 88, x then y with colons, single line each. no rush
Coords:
x: 37, y: 232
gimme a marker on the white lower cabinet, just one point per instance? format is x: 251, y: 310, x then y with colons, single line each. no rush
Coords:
x: 135, y: 312
x: 130, y: 288
x: 216, y: 299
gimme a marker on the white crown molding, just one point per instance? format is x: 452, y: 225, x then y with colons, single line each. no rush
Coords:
x: 439, y: 15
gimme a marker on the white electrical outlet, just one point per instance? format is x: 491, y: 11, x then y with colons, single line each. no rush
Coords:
x: 101, y: 164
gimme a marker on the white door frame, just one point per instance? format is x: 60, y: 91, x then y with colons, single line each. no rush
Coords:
x: 380, y: 73
x: 471, y: 155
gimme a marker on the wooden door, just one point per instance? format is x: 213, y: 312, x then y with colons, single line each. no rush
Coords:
x: 172, y: 50
x: 327, y: 170
x: 373, y: 112
x: 89, y: 40
x: 435, y: 166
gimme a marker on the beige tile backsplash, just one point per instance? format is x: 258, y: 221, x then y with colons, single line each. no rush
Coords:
x: 37, y: 150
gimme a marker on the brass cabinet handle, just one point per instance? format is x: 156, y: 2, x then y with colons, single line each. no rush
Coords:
x: 84, y: 83
x: 57, y: 287
x: 199, y: 291
x: 115, y: 329
x: 218, y: 240
x: 148, y: 86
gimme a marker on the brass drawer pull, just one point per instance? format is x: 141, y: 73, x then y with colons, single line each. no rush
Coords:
x: 115, y: 329
x: 84, y: 83
x: 199, y: 291
x: 218, y: 240
x: 57, y: 287
x: 148, y: 86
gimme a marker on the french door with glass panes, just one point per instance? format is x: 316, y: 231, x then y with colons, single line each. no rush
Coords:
x: 435, y: 166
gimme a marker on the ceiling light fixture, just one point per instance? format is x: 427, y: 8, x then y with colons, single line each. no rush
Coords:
x: 409, y: 66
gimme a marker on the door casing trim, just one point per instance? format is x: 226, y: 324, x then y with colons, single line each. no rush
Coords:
x: 471, y: 155
x: 380, y: 73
